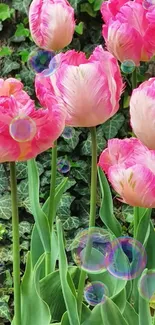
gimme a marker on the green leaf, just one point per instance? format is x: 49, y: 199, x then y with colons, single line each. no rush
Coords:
x: 4, y: 181
x: 5, y: 51
x: 24, y: 55
x: 34, y: 309
x: 63, y: 209
x: 9, y: 66
x: 106, y: 209
x: 86, y: 7
x: 144, y: 312
x: 106, y: 314
x: 97, y: 5
x: 4, y: 12
x: 120, y: 300
x: 71, y: 223
x: 5, y: 207
x: 70, y: 300
x: 81, y: 171
x: 149, y: 250
x: 22, y: 31
x: 79, y: 28
x: 130, y: 315
x: 143, y: 228
x: 112, y: 126
x: 39, y: 216
x: 4, y: 310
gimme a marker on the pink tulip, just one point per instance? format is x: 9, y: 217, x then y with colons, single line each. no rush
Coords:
x: 130, y: 167
x: 51, y: 23
x: 24, y: 131
x: 88, y: 89
x: 142, y: 112
x: 129, y: 31
x: 14, y: 87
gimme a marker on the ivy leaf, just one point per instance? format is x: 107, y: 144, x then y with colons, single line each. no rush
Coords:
x: 97, y: 5
x: 71, y: 223
x: 6, y: 254
x: 81, y: 171
x: 5, y: 207
x: 23, y: 191
x: 22, y: 31
x: 86, y: 7
x: 4, y: 182
x: 112, y: 126
x: 9, y: 66
x: 4, y: 310
x: 79, y: 28
x: 101, y: 143
x: 4, y: 12
x: 64, y: 206
x: 5, y: 51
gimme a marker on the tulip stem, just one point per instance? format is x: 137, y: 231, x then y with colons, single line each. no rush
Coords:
x: 134, y: 79
x: 136, y: 220
x: 51, y: 211
x: 92, y: 213
x: 16, y: 246
x: 51, y: 208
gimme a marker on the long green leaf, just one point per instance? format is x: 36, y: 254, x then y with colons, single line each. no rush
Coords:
x: 130, y: 315
x: 70, y: 300
x: 106, y: 314
x: 144, y: 226
x: 60, y: 189
x: 34, y: 309
x: 106, y: 209
x: 39, y: 216
x: 144, y: 312
x: 150, y: 248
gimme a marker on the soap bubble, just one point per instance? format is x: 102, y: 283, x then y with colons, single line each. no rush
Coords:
x: 68, y: 132
x: 89, y: 249
x: 44, y: 62
x: 63, y: 166
x: 146, y: 285
x: 128, y: 66
x: 22, y: 128
x: 148, y: 3
x: 96, y: 293
x: 126, y: 259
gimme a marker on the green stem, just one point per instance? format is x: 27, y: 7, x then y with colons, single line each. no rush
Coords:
x: 51, y: 209
x: 92, y: 213
x: 134, y: 79
x: 16, y: 246
x: 136, y: 220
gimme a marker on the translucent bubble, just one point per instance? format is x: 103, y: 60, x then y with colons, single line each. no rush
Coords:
x: 22, y: 128
x: 96, y: 293
x: 126, y: 259
x: 90, y: 248
x: 128, y: 66
x: 146, y: 285
x: 68, y: 132
x: 63, y: 166
x: 44, y: 62
x: 148, y: 3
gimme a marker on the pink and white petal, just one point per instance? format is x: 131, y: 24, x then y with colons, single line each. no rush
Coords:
x: 87, y: 99
x: 135, y: 185
x: 44, y: 91
x: 9, y: 149
x: 110, y: 8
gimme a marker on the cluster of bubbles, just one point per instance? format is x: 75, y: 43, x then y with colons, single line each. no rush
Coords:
x: 22, y: 128
x: 146, y: 285
x: 95, y: 250
x: 44, y: 62
x: 148, y: 3
x: 128, y: 66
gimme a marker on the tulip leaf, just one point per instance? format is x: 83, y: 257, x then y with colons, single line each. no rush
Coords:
x: 130, y: 315
x: 34, y: 309
x: 144, y: 312
x: 120, y: 300
x: 149, y: 248
x: 106, y: 209
x: 143, y: 228
x: 106, y: 314
x: 68, y: 294
x: 39, y: 216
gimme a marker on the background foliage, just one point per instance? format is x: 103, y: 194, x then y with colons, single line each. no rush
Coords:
x: 15, y: 47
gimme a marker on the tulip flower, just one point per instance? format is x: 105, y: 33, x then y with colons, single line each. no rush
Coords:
x: 51, y: 23
x: 88, y: 89
x: 14, y: 87
x: 130, y: 167
x: 142, y: 112
x: 129, y: 30
x: 24, y: 131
